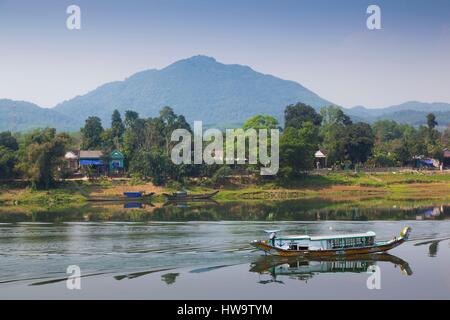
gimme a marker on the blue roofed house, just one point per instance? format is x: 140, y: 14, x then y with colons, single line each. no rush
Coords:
x: 116, y: 162
x: 94, y: 162
x: 92, y: 159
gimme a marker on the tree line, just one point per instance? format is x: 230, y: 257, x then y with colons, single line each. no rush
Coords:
x: 38, y: 156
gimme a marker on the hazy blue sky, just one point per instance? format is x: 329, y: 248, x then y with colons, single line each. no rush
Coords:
x: 323, y: 45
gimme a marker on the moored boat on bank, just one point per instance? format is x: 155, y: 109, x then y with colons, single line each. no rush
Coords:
x: 319, y: 246
x: 127, y: 196
x: 184, y: 196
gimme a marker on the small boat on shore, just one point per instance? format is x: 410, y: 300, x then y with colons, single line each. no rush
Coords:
x: 322, y: 246
x: 127, y: 196
x: 138, y: 194
x: 184, y: 196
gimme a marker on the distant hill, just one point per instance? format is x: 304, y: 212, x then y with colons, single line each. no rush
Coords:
x: 417, y: 118
x: 412, y: 112
x: 200, y: 88
x: 22, y: 116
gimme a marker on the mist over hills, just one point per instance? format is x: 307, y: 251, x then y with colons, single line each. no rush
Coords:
x: 200, y: 88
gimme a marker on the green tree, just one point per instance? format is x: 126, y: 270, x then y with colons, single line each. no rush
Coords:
x: 333, y: 115
x: 130, y: 118
x: 117, y: 128
x: 8, y: 141
x: 432, y: 138
x: 8, y: 161
x: 297, y: 148
x: 261, y: 122
x: 333, y: 133
x: 431, y: 121
x: 360, y: 141
x: 445, y: 139
x: 147, y: 146
x: 170, y: 122
x: 43, y: 156
x: 386, y: 130
x: 153, y: 164
x: 92, y: 134
x: 297, y: 115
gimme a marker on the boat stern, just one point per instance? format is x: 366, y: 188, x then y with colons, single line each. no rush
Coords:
x: 404, y: 234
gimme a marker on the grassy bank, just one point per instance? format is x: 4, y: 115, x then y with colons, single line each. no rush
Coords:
x: 387, y: 187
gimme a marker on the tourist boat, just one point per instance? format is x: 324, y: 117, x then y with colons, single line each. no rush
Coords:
x: 184, y: 196
x: 321, y: 246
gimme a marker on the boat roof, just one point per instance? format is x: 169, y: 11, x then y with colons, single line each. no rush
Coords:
x: 340, y: 236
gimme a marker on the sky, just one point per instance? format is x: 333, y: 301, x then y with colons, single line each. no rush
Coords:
x: 324, y: 45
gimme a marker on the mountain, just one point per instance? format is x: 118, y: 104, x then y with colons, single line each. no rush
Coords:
x: 364, y: 112
x: 412, y: 112
x: 21, y: 116
x: 200, y: 88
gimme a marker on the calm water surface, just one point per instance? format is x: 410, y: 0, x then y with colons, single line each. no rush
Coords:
x: 213, y: 260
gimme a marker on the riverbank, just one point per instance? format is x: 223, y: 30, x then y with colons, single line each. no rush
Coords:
x: 417, y: 186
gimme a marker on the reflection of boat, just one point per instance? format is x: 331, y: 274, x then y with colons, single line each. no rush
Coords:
x: 306, y: 268
x: 184, y: 196
x: 184, y: 204
x: 303, y: 245
x: 128, y: 196
x: 136, y: 205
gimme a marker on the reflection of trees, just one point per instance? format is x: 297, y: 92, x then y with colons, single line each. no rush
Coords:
x: 169, y: 278
x: 295, y: 210
x: 288, y: 210
x: 433, y: 248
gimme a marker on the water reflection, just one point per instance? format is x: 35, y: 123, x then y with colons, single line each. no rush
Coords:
x: 138, y: 205
x: 169, y: 278
x: 187, y: 204
x: 137, y: 274
x: 433, y: 213
x: 304, y: 269
x: 433, y: 246
x: 290, y: 210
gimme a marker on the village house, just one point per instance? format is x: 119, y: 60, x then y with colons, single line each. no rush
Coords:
x: 320, y: 160
x: 94, y: 162
x: 72, y: 158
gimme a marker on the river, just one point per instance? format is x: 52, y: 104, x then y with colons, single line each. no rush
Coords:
x: 188, y: 252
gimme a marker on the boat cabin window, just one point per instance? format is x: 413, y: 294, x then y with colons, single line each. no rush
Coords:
x: 350, y: 242
x: 296, y: 247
